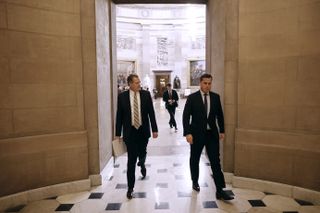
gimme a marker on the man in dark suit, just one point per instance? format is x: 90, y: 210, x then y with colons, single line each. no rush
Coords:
x: 170, y: 97
x: 201, y: 111
x: 135, y: 113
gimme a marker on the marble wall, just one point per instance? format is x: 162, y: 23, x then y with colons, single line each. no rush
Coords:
x: 46, y: 60
x: 104, y: 83
x: 230, y: 80
x: 278, y: 124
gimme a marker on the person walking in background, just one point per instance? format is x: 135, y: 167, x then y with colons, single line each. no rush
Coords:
x: 170, y: 97
x: 135, y: 113
x: 201, y: 111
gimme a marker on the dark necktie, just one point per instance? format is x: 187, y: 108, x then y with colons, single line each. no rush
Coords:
x: 206, y: 103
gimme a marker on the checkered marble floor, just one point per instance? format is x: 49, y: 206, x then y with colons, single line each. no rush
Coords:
x: 167, y: 187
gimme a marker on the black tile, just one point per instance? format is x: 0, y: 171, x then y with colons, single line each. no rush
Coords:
x: 15, y: 209
x: 124, y: 171
x: 121, y: 186
x: 303, y: 203
x: 161, y: 205
x: 64, y: 207
x: 162, y: 185
x: 110, y: 179
x: 209, y: 204
x: 147, y: 165
x: 162, y: 170
x: 184, y: 194
x: 256, y: 203
x: 96, y: 195
x: 113, y: 206
x: 177, y: 164
x: 207, y: 164
x: 116, y: 165
x: 139, y: 194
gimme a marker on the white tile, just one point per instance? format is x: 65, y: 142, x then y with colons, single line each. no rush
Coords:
x: 236, y: 205
x: 280, y: 203
x: 248, y: 194
x: 92, y: 205
x: 262, y: 210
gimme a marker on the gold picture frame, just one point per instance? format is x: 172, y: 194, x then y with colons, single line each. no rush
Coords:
x: 196, y: 69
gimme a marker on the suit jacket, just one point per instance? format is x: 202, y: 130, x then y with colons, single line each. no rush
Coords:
x: 194, y: 110
x: 174, y: 96
x: 123, y: 119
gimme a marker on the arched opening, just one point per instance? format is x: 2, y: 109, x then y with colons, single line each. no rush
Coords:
x: 214, y: 55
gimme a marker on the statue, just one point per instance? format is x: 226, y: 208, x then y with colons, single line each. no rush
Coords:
x: 176, y: 83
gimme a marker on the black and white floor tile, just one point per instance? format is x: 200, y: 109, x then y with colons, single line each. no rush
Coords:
x: 167, y: 187
x: 163, y: 192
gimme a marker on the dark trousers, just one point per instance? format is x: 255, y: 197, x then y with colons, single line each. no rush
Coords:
x: 172, y: 112
x: 136, y: 148
x: 211, y: 142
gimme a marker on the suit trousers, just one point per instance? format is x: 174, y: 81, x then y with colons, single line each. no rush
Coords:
x: 136, y: 148
x: 211, y: 142
x: 172, y: 112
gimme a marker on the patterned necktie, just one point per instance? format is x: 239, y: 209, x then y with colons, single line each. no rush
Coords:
x: 206, y: 103
x: 136, y: 120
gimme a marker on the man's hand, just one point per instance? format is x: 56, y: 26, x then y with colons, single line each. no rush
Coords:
x: 189, y: 138
x: 221, y: 136
x: 155, y: 134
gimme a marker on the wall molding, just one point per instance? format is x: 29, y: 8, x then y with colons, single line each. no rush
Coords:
x: 25, y: 197
x: 274, y: 188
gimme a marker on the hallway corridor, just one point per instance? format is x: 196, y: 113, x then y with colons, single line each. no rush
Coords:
x: 167, y: 187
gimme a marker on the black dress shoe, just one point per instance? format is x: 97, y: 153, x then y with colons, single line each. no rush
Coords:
x: 222, y: 195
x: 143, y: 171
x: 196, y: 187
x: 129, y: 194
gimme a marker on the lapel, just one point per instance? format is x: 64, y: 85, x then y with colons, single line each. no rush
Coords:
x: 142, y: 101
x: 127, y: 102
x: 211, y: 102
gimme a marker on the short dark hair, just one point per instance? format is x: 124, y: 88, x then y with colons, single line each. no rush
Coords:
x: 168, y: 85
x: 206, y: 75
x: 130, y: 78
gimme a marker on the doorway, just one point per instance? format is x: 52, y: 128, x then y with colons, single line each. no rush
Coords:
x: 161, y: 80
